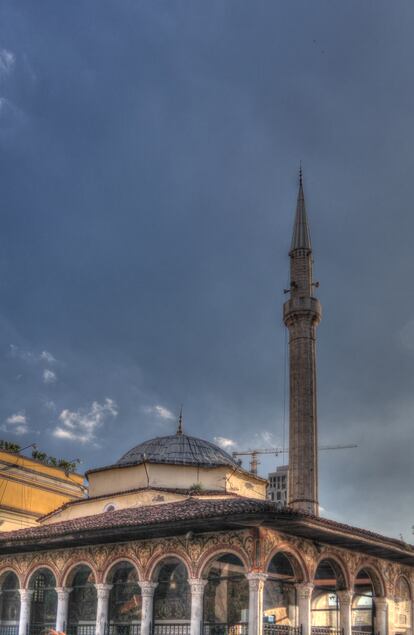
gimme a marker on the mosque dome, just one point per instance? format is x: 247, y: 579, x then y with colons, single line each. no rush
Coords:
x: 178, y: 449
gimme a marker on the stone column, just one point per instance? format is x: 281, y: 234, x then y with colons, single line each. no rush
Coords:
x: 256, y: 586
x: 304, y: 595
x: 62, y: 608
x: 345, y: 615
x: 25, y: 606
x: 147, y: 593
x: 102, y: 591
x: 381, y: 615
x: 197, y: 596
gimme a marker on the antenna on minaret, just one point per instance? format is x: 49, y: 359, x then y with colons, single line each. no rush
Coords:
x: 180, y: 422
x: 300, y: 173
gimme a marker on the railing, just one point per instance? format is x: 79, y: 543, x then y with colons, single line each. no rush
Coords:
x: 121, y: 628
x: 9, y: 629
x: 40, y: 629
x: 327, y: 630
x: 225, y: 629
x: 171, y: 628
x: 80, y: 629
x: 362, y: 631
x: 270, y: 628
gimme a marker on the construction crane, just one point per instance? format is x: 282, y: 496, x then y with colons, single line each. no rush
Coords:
x: 254, y: 461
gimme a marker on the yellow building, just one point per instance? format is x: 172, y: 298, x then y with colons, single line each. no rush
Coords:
x: 30, y: 489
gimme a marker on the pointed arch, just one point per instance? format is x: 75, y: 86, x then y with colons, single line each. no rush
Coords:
x: 41, y: 565
x: 72, y: 566
x: 208, y: 557
x: 110, y: 564
x: 377, y: 579
x: 158, y: 559
x: 295, y: 558
x: 340, y: 568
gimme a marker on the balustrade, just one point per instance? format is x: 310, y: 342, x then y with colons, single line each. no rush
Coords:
x: 226, y: 629
x: 270, y: 628
x: 171, y: 629
x: 121, y: 628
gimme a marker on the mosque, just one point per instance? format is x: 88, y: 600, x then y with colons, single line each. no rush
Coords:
x: 176, y: 538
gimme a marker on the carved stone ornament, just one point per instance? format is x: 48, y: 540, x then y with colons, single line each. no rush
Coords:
x: 103, y: 591
x: 304, y: 590
x: 197, y: 586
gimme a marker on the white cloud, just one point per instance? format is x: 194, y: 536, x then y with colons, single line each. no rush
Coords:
x: 20, y: 353
x: 161, y: 412
x: 7, y: 61
x: 81, y: 425
x: 26, y: 355
x: 225, y: 443
x: 266, y: 437
x: 19, y: 417
x: 47, y: 357
x: 49, y: 376
x: 16, y: 423
x: 50, y: 405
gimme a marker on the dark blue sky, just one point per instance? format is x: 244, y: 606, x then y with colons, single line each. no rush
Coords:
x: 148, y: 172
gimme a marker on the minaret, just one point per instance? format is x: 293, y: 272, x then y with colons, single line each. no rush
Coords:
x: 301, y: 314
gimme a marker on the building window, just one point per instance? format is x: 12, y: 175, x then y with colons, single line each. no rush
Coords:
x: 39, y: 589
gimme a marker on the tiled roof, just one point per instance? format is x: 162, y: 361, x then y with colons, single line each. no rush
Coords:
x: 181, y: 513
x: 191, y: 515
x: 190, y: 508
x: 138, y: 490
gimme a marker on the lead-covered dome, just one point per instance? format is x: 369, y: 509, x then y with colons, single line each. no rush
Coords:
x: 178, y: 449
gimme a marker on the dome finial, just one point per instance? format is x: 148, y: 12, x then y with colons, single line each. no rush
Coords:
x: 180, y: 422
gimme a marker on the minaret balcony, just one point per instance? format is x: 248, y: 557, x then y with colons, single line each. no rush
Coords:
x: 302, y: 307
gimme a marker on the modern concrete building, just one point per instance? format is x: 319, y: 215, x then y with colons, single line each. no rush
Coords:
x: 277, y: 488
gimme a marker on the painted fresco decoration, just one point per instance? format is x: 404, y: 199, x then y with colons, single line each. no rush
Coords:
x: 402, y: 615
x: 82, y: 598
x: 279, y: 603
x: 226, y: 595
x: 172, y: 595
x: 44, y: 601
x: 9, y: 598
x: 125, y: 602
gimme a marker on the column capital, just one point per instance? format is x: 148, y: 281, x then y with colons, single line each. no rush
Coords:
x: 381, y: 603
x: 345, y: 597
x: 26, y: 594
x: 304, y: 590
x: 63, y: 591
x: 256, y: 580
x: 103, y: 590
x: 147, y: 588
x: 197, y: 585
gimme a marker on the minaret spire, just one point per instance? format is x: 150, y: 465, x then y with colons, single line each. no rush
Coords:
x: 180, y: 422
x: 301, y: 234
x: 301, y: 314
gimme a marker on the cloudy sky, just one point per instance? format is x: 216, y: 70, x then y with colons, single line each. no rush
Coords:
x: 148, y: 173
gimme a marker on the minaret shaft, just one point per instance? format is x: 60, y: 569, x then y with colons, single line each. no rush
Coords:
x: 302, y: 314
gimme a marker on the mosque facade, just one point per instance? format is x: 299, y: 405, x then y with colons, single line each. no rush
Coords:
x: 176, y: 538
